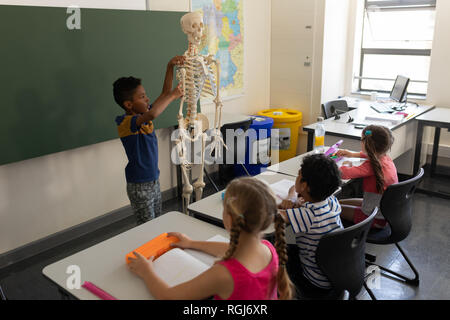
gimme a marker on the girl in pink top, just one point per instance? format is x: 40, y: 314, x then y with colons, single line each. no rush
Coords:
x: 378, y: 173
x: 250, y: 268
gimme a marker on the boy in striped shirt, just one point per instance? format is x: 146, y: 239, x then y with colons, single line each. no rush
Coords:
x: 315, y: 213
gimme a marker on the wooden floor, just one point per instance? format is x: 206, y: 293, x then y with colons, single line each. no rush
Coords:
x: 428, y: 246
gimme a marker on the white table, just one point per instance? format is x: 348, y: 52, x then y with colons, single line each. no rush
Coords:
x: 211, y: 208
x: 291, y: 166
x: 438, y: 118
x: 104, y: 264
x: 402, y: 151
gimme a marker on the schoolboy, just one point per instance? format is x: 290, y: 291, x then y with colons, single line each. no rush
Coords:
x: 316, y: 214
x: 137, y: 133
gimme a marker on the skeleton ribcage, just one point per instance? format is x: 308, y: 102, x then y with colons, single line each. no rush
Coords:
x: 198, y: 81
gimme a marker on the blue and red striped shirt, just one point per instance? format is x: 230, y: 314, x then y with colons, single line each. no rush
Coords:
x: 310, y: 222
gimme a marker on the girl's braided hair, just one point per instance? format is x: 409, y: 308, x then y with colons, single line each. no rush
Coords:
x: 252, y: 206
x: 377, y: 141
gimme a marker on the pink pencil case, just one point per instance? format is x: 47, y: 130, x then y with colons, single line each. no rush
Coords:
x: 97, y: 291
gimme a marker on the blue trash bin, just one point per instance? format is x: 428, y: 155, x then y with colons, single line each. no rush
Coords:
x: 257, y: 149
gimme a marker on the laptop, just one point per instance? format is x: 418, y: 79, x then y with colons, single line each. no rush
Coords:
x: 398, y: 94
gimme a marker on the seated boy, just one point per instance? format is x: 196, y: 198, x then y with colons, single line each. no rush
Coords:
x: 314, y: 215
x: 137, y: 134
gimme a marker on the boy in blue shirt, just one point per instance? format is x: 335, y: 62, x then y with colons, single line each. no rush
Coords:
x: 137, y: 134
x: 316, y: 213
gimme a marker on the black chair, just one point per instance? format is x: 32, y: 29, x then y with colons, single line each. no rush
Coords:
x: 396, y: 207
x: 334, y: 108
x: 340, y: 255
x: 226, y: 171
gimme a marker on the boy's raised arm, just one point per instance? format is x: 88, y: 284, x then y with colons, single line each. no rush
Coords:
x: 168, y: 80
x: 160, y: 105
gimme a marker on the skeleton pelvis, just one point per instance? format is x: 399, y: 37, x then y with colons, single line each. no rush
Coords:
x: 201, y: 120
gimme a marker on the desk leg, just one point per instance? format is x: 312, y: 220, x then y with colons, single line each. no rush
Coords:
x: 310, y: 141
x: 437, y: 136
x: 418, y: 147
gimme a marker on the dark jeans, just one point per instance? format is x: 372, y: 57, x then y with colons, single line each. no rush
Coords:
x: 304, y: 287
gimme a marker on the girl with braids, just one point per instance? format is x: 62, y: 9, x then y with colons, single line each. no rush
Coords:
x: 378, y: 173
x: 250, y: 268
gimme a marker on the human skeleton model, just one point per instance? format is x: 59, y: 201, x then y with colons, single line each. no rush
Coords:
x: 197, y: 78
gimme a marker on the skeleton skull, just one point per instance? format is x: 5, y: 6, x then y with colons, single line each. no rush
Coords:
x: 192, y: 25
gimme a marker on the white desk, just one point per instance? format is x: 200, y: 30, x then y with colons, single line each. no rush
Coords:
x: 104, y: 264
x: 438, y: 118
x: 291, y: 166
x: 211, y: 208
x: 402, y: 151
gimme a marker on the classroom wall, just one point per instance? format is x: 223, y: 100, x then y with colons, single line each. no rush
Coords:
x: 438, y: 90
x: 45, y: 195
x: 335, y: 41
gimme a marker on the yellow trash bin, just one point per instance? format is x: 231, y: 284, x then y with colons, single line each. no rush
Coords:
x: 288, y: 122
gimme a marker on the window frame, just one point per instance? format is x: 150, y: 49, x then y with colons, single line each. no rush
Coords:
x: 391, y: 5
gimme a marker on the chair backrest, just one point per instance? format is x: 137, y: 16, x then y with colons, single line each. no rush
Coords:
x: 330, y: 108
x: 341, y: 256
x: 396, y: 207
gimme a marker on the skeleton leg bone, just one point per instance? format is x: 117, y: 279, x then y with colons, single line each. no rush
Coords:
x: 199, y: 185
x: 187, y: 188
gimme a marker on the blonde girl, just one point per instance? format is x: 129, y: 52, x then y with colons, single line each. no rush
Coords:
x: 250, y: 267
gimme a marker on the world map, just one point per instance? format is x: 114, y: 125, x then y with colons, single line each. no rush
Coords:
x: 223, y: 38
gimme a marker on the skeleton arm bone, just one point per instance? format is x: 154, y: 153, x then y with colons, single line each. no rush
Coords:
x: 217, y: 142
x: 181, y: 75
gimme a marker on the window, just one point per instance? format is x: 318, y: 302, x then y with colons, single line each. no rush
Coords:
x: 396, y: 39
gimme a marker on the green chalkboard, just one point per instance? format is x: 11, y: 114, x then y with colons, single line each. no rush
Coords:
x: 56, y: 83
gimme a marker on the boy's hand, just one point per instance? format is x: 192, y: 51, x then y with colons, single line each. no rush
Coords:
x: 184, y: 243
x: 177, y: 61
x: 301, y: 201
x: 286, y: 204
x: 177, y: 92
x: 140, y: 266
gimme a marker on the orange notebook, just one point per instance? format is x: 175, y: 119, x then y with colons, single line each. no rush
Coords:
x: 155, y: 247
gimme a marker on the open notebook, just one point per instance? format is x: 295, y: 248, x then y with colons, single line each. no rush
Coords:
x: 177, y: 265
